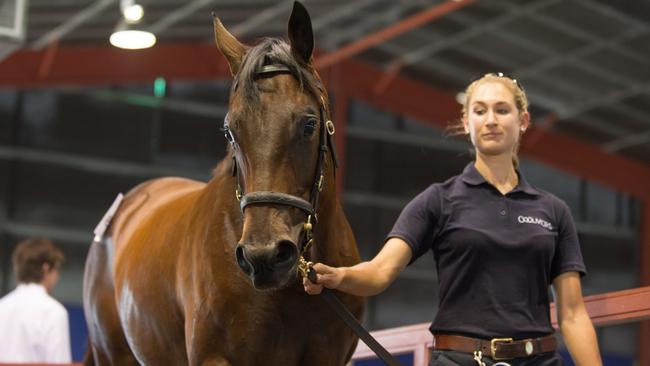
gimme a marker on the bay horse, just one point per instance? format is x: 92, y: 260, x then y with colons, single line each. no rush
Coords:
x: 192, y: 273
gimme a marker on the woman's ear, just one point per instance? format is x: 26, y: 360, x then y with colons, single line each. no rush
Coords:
x: 466, y: 125
x: 524, y: 120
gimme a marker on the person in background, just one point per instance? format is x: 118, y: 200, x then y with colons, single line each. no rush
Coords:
x: 33, y: 325
x: 498, y: 242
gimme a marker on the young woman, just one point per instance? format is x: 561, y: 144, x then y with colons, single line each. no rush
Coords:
x: 498, y: 243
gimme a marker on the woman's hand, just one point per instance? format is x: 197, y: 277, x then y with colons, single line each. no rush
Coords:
x: 327, y: 276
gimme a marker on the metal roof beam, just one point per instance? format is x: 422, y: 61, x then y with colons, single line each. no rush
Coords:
x: 579, y: 33
x: 554, y: 59
x: 178, y: 15
x: 54, y: 232
x: 262, y: 17
x: 434, y: 47
x: 462, y: 76
x: 607, y: 99
x: 413, y: 21
x: 340, y: 12
x: 627, y: 141
x: 95, y: 164
x: 78, y: 19
x: 336, y: 37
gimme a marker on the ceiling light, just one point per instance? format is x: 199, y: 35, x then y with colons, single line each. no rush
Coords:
x: 133, y: 13
x: 127, y: 34
x: 132, y: 39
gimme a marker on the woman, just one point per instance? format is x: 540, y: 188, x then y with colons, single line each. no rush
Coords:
x: 498, y: 243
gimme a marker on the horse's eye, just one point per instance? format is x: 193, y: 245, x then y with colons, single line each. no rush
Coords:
x: 309, y: 127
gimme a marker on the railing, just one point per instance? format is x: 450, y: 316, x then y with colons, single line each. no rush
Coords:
x: 611, y: 308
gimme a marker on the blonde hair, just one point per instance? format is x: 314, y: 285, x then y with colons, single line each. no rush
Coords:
x: 518, y: 93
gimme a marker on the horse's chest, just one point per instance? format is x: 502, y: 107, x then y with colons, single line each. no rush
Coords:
x: 288, y: 336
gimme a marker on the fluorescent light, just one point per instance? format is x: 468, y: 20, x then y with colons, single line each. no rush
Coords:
x: 132, y: 39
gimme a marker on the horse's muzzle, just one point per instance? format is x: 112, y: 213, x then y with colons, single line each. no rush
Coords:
x: 268, y: 266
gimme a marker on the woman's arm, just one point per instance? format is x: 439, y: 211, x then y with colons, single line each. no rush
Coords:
x: 365, y: 278
x: 576, y: 327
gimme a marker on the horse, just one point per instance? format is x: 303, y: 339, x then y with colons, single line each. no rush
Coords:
x: 194, y: 273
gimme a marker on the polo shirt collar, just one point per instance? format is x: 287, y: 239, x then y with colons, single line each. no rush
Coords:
x: 472, y: 177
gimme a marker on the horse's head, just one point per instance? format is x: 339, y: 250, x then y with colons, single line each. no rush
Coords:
x: 280, y: 132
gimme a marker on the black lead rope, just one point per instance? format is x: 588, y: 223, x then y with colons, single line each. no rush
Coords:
x: 353, y: 323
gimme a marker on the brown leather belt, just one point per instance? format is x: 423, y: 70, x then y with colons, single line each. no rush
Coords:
x: 497, y: 348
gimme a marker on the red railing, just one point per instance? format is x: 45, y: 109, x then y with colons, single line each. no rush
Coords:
x: 611, y: 308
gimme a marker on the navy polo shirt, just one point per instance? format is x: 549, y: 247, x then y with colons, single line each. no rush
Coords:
x: 495, y: 254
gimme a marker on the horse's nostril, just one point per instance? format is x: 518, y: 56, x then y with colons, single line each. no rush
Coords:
x: 286, y: 253
x: 244, y: 264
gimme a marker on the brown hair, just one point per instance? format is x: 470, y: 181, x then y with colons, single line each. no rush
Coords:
x: 29, y: 256
x: 521, y: 102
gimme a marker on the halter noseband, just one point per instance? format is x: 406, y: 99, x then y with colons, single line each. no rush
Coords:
x: 283, y: 199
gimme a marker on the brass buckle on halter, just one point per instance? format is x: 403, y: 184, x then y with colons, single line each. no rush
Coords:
x: 238, y: 194
x: 493, y: 347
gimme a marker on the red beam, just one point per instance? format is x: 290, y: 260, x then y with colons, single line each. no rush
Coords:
x: 107, y: 65
x: 588, y: 161
x: 110, y: 66
x: 434, y: 12
x: 404, y: 96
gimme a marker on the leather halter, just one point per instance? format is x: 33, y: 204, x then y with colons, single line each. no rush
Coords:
x: 284, y: 199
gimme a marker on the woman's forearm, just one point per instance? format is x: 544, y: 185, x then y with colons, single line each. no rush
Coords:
x: 580, y: 338
x: 364, y: 279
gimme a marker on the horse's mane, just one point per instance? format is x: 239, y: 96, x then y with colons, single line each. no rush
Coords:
x: 272, y: 51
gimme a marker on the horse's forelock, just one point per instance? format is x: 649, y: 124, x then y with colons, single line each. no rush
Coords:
x: 271, y: 51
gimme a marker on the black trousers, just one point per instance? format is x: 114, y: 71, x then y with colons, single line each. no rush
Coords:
x: 453, y: 358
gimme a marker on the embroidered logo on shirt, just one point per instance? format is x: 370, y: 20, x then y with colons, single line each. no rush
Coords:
x: 534, y: 220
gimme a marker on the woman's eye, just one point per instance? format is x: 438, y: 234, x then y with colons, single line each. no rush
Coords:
x: 503, y: 111
x: 309, y: 127
x: 479, y: 111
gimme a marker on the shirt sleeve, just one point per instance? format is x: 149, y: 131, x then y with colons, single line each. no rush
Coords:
x: 57, y: 338
x: 568, y: 256
x: 417, y: 224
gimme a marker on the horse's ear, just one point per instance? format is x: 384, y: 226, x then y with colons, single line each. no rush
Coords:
x: 301, y: 35
x: 229, y: 46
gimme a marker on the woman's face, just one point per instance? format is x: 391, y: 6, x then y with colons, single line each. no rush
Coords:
x: 493, y: 120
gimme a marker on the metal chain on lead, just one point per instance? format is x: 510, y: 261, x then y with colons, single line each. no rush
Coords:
x: 304, y: 266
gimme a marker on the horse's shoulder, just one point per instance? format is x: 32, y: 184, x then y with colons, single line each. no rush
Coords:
x: 146, y: 199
